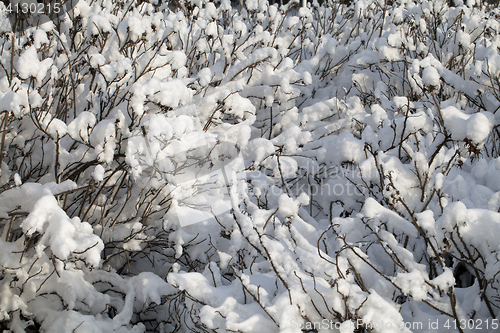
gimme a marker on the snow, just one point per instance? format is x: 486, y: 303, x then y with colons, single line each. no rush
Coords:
x: 103, y: 138
x: 29, y: 66
x: 11, y: 102
x: 170, y: 94
x: 98, y: 173
x: 390, y: 321
x: 431, y: 77
x: 80, y: 126
x: 54, y: 127
x: 290, y: 207
x: 97, y: 24
x: 445, y: 280
x: 250, y: 167
x: 475, y: 127
x: 17, y: 179
x: 62, y: 234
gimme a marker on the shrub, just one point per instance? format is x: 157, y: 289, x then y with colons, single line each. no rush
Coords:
x: 191, y: 166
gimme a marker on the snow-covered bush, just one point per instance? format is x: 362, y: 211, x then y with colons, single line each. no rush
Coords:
x: 190, y: 166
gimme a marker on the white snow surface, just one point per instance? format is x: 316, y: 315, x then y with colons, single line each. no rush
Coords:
x: 250, y: 167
